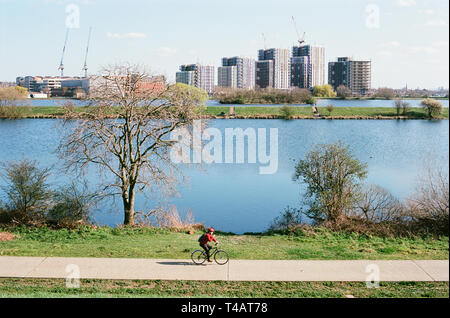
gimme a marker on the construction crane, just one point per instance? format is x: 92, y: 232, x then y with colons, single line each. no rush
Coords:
x: 85, y: 68
x: 61, y: 65
x: 301, y: 40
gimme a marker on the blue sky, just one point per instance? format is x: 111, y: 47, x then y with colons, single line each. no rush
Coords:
x: 407, y: 40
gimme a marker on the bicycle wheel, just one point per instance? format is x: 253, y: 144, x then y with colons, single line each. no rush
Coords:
x: 221, y: 257
x: 198, y: 257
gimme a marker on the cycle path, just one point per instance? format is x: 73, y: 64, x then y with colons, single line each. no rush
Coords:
x: 234, y: 270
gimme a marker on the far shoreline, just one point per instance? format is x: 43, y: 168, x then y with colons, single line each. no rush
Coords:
x: 249, y: 112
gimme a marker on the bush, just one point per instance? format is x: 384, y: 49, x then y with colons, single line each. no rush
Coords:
x: 310, y: 100
x: 330, y: 109
x: 289, y: 220
x: 405, y: 108
x: 433, y: 107
x: 27, y: 192
x: 343, y: 92
x: 324, y: 91
x: 429, y: 206
x: 376, y: 204
x: 13, y: 112
x: 71, y: 206
x: 261, y: 96
x: 384, y: 92
x: 287, y: 112
x: 30, y: 201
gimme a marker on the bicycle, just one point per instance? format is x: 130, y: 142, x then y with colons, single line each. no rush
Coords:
x: 220, y: 256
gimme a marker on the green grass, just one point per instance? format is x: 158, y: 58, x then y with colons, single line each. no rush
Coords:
x: 414, y: 113
x: 17, y: 287
x: 163, y: 243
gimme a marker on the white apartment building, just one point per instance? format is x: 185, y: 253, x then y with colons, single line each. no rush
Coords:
x: 281, y: 74
x: 227, y: 76
x: 315, y: 68
x: 200, y: 76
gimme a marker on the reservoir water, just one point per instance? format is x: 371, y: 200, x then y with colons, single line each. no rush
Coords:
x: 235, y: 197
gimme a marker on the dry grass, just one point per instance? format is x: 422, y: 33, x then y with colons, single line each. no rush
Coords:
x: 6, y: 236
x: 169, y: 219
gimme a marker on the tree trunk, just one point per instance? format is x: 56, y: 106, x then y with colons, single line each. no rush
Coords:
x: 128, y: 205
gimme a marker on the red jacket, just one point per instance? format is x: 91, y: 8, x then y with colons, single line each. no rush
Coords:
x: 206, y: 238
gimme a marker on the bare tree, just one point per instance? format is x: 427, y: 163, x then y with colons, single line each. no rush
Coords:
x: 125, y: 132
x: 385, y: 92
x: 343, y: 92
x: 431, y: 200
x: 377, y: 204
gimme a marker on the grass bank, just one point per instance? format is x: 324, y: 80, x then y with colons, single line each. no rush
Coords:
x: 337, y: 113
x: 260, y: 112
x: 319, y: 244
x: 17, y: 287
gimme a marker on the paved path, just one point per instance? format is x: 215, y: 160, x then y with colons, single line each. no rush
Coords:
x: 235, y: 270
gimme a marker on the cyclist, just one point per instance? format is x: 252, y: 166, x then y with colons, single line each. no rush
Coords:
x: 205, y: 239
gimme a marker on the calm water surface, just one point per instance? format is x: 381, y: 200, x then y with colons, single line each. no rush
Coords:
x: 235, y: 197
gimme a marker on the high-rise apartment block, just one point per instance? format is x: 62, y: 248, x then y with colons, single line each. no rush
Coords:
x: 245, y: 71
x: 275, y: 74
x: 200, y: 76
x: 308, y: 66
x: 227, y: 76
x: 355, y: 75
x: 264, y: 74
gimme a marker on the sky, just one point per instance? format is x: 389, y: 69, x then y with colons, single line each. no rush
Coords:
x: 406, y: 40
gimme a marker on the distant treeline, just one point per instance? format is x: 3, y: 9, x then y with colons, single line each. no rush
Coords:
x: 264, y: 96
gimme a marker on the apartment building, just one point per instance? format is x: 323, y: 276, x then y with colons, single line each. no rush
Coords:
x: 200, y: 76
x: 264, y: 74
x: 245, y: 71
x: 278, y: 75
x: 309, y: 60
x: 300, y: 72
x: 355, y: 75
x: 227, y: 76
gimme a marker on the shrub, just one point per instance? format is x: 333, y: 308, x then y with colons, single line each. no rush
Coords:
x: 384, y: 92
x: 405, y: 108
x: 376, y: 204
x: 330, y: 109
x: 343, y: 92
x: 433, y: 107
x: 27, y: 192
x: 13, y: 112
x: 310, y: 100
x: 71, y: 206
x: 324, y: 91
x: 287, y: 112
x: 289, y: 220
x: 429, y: 206
x: 169, y: 219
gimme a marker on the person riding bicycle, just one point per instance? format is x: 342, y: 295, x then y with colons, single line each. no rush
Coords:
x: 205, y: 239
